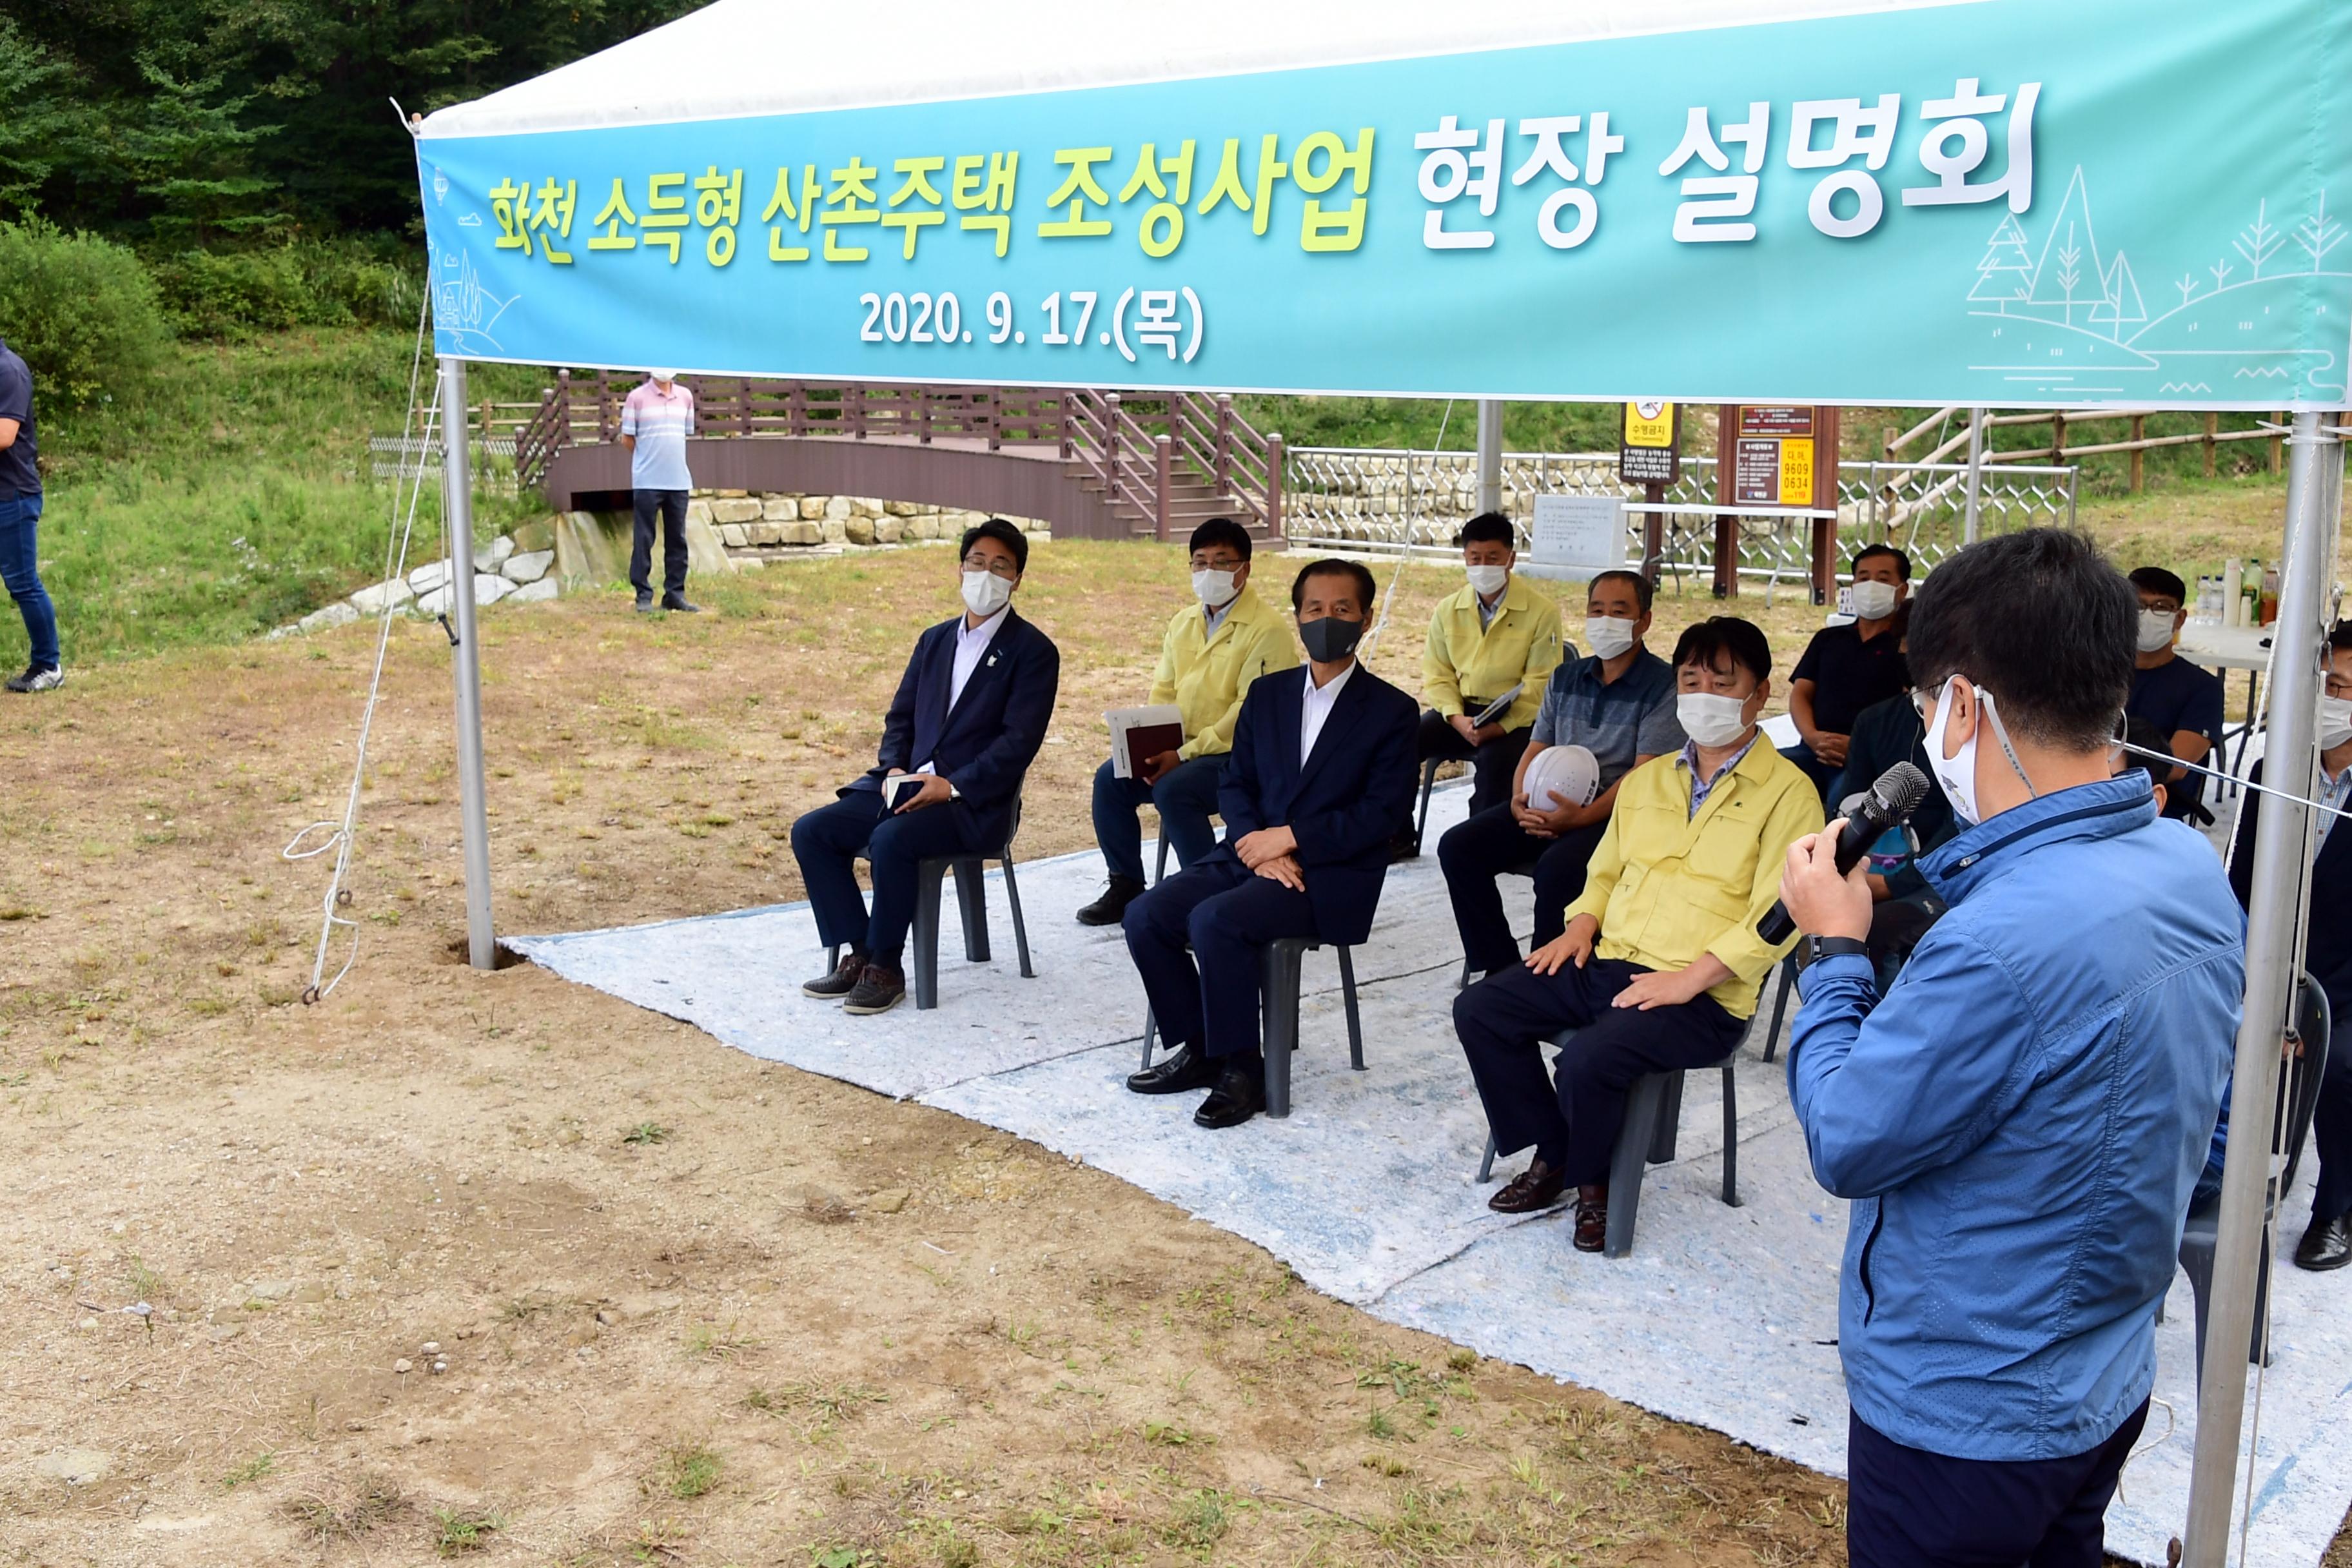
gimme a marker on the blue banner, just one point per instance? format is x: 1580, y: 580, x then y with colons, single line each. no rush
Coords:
x: 2107, y: 202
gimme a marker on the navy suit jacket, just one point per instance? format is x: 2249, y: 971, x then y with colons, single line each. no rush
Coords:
x: 1344, y: 806
x: 986, y: 741
x: 2328, y: 957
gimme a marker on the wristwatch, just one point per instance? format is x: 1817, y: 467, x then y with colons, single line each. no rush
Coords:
x: 1819, y: 947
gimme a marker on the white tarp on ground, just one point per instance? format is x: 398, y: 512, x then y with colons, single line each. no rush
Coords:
x: 1723, y: 1317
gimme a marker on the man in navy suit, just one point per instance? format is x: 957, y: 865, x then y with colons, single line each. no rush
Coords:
x: 2328, y: 958
x: 1321, y: 773
x: 969, y: 715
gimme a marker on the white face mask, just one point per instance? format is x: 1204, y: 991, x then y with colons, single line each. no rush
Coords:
x: 1873, y: 601
x: 1958, y: 774
x: 1489, y: 580
x: 2154, y: 630
x: 1607, y: 636
x: 1213, y: 588
x: 2334, y: 722
x: 985, y: 592
x: 1711, y: 719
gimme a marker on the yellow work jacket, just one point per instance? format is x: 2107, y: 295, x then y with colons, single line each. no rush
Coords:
x: 1667, y: 887
x: 1465, y: 661
x: 1206, y: 676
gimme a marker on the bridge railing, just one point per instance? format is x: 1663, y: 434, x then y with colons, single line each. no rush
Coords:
x: 1116, y: 440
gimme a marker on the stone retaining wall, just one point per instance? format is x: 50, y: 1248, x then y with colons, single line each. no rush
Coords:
x: 756, y: 527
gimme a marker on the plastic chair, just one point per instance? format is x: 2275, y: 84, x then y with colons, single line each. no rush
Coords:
x: 1428, y: 786
x: 1653, y: 1107
x: 1278, y: 1012
x: 2300, y: 1091
x: 1780, y: 1002
x: 971, y: 901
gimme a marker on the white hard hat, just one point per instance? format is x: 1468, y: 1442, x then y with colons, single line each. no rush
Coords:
x: 1562, y: 775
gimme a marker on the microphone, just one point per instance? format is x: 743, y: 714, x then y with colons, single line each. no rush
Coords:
x: 1889, y: 803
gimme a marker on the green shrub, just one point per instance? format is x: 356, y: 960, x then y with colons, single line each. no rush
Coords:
x: 234, y: 294
x: 81, y: 310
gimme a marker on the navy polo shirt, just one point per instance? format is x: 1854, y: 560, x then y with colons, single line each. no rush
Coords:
x: 19, y: 474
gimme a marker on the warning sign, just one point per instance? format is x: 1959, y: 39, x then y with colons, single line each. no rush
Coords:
x: 1651, y: 451
x: 1766, y: 419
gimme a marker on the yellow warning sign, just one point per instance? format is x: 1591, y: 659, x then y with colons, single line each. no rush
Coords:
x: 1797, y: 471
x: 1649, y: 424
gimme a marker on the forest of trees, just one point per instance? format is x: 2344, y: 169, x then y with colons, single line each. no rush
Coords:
x: 178, y: 124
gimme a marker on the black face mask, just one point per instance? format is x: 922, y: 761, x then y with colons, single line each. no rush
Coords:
x: 1329, y: 639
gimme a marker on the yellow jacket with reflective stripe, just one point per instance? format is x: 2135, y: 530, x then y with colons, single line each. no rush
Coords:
x: 1206, y: 676
x: 1667, y: 887
x: 1520, y: 647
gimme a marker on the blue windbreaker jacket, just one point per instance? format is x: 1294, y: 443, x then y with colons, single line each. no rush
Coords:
x: 2020, y: 1122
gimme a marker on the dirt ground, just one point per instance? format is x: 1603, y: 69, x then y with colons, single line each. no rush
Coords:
x: 458, y: 1262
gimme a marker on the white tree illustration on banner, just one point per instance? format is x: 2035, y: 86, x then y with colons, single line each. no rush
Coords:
x: 2070, y: 274
x: 2006, y: 273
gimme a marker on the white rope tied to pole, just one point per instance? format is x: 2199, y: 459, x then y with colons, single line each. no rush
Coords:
x: 1387, y: 599
x: 340, y: 835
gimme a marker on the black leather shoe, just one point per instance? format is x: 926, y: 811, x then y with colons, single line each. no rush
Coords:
x: 1536, y: 1187
x: 1108, y: 910
x: 1240, y: 1094
x: 1187, y: 1069
x: 644, y: 604
x: 832, y: 987
x: 880, y: 988
x: 2326, y: 1245
x: 678, y: 602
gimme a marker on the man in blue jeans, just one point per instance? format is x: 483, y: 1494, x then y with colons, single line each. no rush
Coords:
x: 2020, y: 1118
x: 20, y: 517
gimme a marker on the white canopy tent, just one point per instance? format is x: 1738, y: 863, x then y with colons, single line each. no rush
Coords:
x: 748, y: 61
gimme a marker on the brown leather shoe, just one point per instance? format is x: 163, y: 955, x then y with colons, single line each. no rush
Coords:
x: 844, y: 979
x: 880, y: 988
x: 1591, y: 1218
x: 1536, y: 1187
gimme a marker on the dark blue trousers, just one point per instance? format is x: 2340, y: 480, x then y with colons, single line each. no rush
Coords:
x: 1907, y: 1508
x: 1504, y: 1021
x: 828, y: 842
x: 1185, y: 798
x: 1479, y: 850
x: 20, y: 569
x: 1229, y: 913
x: 669, y: 507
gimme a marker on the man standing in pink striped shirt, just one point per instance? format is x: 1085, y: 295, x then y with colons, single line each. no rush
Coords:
x: 656, y: 420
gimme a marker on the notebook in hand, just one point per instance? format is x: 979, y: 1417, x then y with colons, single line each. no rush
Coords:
x: 1497, y: 708
x: 1136, y: 733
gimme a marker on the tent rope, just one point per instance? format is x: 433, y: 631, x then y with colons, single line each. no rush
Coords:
x: 1404, y: 551
x: 340, y: 835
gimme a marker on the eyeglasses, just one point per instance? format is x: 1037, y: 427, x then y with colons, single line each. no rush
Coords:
x: 994, y: 564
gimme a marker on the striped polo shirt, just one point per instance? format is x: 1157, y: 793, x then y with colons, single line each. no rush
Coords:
x: 661, y: 426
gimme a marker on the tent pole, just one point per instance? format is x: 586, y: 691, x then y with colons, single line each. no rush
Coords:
x: 1490, y: 453
x: 1976, y: 473
x: 2271, y: 942
x: 457, y: 508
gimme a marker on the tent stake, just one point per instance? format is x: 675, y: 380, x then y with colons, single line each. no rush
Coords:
x: 2274, y: 943
x: 458, y: 510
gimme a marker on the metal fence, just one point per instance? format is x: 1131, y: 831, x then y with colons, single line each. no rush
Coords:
x: 408, y: 457
x: 1380, y: 500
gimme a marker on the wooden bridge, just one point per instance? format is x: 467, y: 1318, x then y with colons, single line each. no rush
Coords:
x: 1094, y: 464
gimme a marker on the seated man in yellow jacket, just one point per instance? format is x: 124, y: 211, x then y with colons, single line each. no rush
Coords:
x: 1660, y: 964
x: 1212, y: 651
x: 1495, y: 633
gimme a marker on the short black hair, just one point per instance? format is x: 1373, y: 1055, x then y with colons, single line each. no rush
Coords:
x: 1902, y: 561
x: 2340, y: 638
x: 2156, y: 580
x: 1720, y: 636
x: 1002, y: 531
x: 1220, y: 531
x: 1487, y: 528
x: 2040, y: 619
x: 1366, y: 589
x: 1644, y: 591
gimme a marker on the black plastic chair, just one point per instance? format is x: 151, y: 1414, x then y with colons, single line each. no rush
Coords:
x: 1428, y: 786
x: 1780, y: 1002
x: 2299, y: 1094
x: 971, y: 899
x: 1278, y: 1013
x: 1654, y: 1108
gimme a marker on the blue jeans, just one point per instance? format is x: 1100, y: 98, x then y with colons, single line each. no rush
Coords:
x: 20, y: 518
x: 1185, y: 797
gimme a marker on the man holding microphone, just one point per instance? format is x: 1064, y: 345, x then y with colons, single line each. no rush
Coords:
x: 2021, y: 1120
